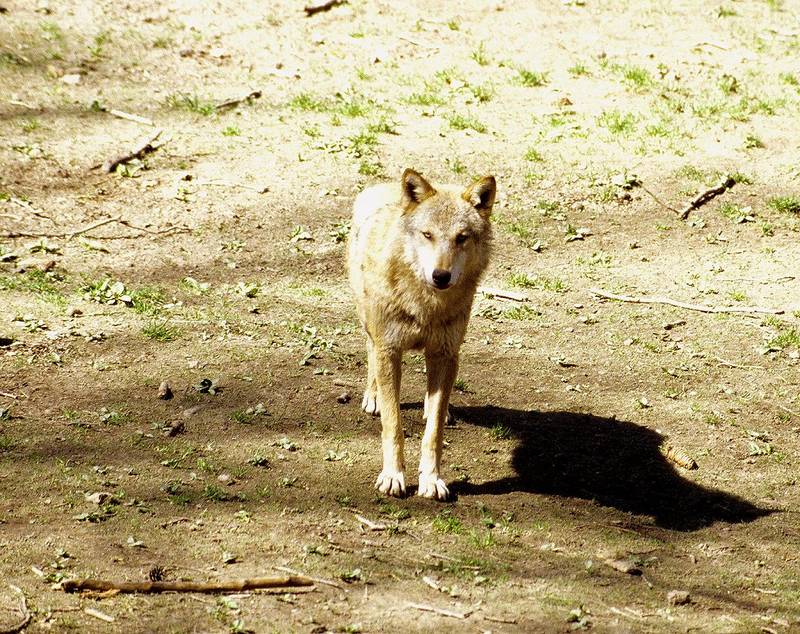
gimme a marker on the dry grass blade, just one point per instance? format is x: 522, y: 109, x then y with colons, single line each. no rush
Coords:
x: 440, y: 611
x: 648, y: 299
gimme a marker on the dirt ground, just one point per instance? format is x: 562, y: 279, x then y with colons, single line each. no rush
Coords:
x: 215, y: 263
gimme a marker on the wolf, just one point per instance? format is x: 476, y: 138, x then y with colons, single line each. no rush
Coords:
x: 416, y: 254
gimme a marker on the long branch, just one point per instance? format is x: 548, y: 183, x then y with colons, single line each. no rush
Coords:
x: 233, y: 585
x: 647, y: 299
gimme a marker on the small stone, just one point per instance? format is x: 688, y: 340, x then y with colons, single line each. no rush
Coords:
x: 225, y: 478
x: 343, y: 398
x: 678, y: 597
x: 164, y: 391
x: 175, y: 428
x: 73, y: 311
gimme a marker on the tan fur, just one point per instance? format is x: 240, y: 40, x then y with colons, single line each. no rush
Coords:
x: 405, y: 235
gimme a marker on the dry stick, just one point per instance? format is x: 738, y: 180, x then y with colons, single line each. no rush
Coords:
x: 325, y: 582
x: 658, y: 200
x: 501, y: 294
x: 26, y: 614
x: 703, y: 197
x: 7, y: 395
x: 99, y: 223
x: 786, y: 409
x: 698, y: 307
x: 99, y: 615
x: 440, y: 611
x: 26, y: 205
x: 148, y: 146
x: 373, y: 526
x: 121, y: 114
x: 324, y: 5
x: 234, y: 585
x: 255, y: 94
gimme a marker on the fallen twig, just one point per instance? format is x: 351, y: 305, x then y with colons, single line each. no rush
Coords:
x: 230, y: 103
x: 219, y: 183
x: 121, y: 114
x: 429, y: 608
x: 497, y: 619
x: 149, y: 145
x: 29, y: 207
x: 373, y: 526
x: 98, y: 223
x: 699, y: 307
x: 23, y: 609
x: 99, y: 615
x: 786, y: 409
x: 7, y: 395
x: 658, y: 200
x: 323, y: 5
x: 325, y: 582
x: 234, y: 585
x: 501, y: 294
x: 343, y: 383
x: 703, y: 197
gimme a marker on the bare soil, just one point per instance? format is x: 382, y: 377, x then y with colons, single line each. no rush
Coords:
x: 226, y: 279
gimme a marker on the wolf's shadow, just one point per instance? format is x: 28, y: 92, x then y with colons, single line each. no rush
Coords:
x: 612, y: 462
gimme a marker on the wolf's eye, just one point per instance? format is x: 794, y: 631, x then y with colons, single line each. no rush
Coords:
x: 461, y: 238
x: 427, y: 234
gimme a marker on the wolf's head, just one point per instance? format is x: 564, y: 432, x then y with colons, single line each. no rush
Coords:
x: 447, y: 230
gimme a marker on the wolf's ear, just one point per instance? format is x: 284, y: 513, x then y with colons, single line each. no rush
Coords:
x: 415, y: 189
x: 481, y: 195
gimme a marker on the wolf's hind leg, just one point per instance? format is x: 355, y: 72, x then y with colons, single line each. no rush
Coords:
x: 370, y: 401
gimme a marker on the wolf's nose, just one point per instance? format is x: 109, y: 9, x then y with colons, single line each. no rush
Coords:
x: 441, y: 278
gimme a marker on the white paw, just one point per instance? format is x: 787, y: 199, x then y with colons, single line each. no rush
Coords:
x: 370, y: 404
x: 391, y: 483
x: 432, y: 487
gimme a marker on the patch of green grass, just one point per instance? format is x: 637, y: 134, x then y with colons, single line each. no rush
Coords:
x: 29, y: 125
x: 498, y: 431
x: 578, y: 69
x: 363, y: 143
x: 532, y: 154
x: 147, y: 300
x: 726, y: 12
x: 616, y: 122
x: 461, y: 385
x: 789, y: 338
x: 482, y: 93
x: 728, y: 84
x: 213, y: 493
x: 446, y: 522
x: 790, y: 79
x: 785, y: 204
x: 522, y: 313
x: 310, y: 103
x: 530, y: 78
x: 369, y: 167
x: 751, y: 142
x: 429, y: 97
x: 34, y: 281
x: 738, y: 296
x: 739, y: 177
x: 352, y: 105
x: 634, y: 76
x: 733, y: 212
x: 231, y: 130
x: 160, y: 331
x: 540, y: 282
x: 466, y: 122
x: 480, y: 55
x: 190, y: 103
x: 6, y: 444
x: 455, y: 165
x: 453, y: 25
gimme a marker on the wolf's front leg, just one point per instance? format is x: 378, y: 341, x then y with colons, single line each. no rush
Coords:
x: 442, y: 370
x: 391, y: 479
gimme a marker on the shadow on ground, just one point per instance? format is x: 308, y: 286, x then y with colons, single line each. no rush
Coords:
x: 612, y: 462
